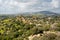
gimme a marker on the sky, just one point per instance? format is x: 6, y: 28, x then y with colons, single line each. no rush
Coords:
x: 21, y: 6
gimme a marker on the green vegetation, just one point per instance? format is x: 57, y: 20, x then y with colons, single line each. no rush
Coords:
x: 21, y: 27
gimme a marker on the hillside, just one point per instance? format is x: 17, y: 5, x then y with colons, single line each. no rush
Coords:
x: 22, y: 27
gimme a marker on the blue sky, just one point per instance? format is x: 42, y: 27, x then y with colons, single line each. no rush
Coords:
x: 19, y: 6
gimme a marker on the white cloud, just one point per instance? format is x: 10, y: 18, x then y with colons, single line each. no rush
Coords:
x: 0, y: 1
x: 21, y: 5
x: 55, y: 3
x: 28, y: 5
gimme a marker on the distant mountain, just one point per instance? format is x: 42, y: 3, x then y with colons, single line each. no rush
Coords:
x: 47, y: 13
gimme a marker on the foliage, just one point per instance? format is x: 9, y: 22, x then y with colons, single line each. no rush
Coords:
x: 21, y: 27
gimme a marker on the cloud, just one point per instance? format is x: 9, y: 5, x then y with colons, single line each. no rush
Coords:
x: 23, y: 6
x: 0, y: 1
x: 55, y: 3
x: 16, y: 6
